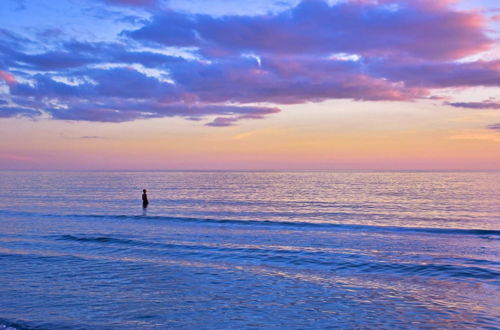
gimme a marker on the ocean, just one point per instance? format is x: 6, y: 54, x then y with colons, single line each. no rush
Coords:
x: 226, y: 250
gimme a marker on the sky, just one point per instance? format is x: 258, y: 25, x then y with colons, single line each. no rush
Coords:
x: 250, y: 85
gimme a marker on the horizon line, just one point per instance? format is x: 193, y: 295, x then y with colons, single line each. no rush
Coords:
x: 250, y: 170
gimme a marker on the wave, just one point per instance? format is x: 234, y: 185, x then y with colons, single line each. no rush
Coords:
x: 303, y: 224
x: 485, y: 233
x: 9, y: 325
x: 338, y: 263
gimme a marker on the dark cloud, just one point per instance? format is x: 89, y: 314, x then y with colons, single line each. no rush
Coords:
x: 124, y: 83
x: 11, y: 44
x: 490, y: 105
x: 135, y: 3
x: 76, y: 54
x: 247, y: 113
x: 495, y: 127
x: 222, y: 122
x: 433, y: 74
x: 170, y: 28
x: 129, y: 83
x: 90, y: 137
x: 6, y: 112
x: 127, y: 111
x: 45, y: 86
x: 55, y: 60
x: 50, y: 33
x: 119, y: 53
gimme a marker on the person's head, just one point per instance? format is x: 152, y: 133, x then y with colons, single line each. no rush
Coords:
x: 144, y: 190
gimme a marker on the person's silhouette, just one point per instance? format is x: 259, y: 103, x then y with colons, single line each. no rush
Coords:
x: 145, y: 201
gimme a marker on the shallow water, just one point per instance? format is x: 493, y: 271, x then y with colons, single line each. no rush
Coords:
x: 249, y: 249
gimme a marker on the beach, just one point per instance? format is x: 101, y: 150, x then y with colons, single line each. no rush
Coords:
x: 225, y: 250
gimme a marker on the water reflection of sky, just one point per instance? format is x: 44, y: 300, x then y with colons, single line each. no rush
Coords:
x: 436, y: 200
x: 77, y: 244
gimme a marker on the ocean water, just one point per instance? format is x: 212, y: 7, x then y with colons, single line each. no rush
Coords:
x: 225, y: 250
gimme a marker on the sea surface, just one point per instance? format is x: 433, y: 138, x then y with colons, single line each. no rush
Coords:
x: 243, y: 250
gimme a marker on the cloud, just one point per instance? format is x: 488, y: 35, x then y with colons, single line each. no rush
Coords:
x: 417, y: 28
x: 74, y: 54
x: 15, y: 157
x: 170, y: 28
x: 222, y: 122
x: 9, y: 111
x: 236, y: 80
x: 50, y: 33
x: 128, y: 83
x: 285, y: 81
x: 221, y: 67
x: 44, y: 86
x: 491, y: 105
x: 55, y: 60
x: 136, y: 3
x: 7, y: 78
x: 434, y: 74
x: 90, y: 137
x: 126, y: 111
x: 248, y: 113
x: 495, y: 127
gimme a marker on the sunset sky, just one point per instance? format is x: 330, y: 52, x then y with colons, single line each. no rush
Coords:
x: 250, y: 84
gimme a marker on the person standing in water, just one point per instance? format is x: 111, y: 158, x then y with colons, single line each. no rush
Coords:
x: 145, y: 201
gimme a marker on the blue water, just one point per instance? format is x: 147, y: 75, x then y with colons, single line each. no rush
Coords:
x: 221, y: 250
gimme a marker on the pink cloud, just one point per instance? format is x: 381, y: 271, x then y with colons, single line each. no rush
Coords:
x: 7, y: 77
x: 16, y: 157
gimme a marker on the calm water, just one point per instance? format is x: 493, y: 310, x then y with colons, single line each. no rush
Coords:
x: 216, y: 250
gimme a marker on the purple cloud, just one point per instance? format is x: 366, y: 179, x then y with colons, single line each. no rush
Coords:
x: 359, y: 50
x: 285, y: 81
x: 50, y: 33
x: 55, y: 60
x: 6, y: 112
x: 433, y: 74
x: 121, y: 82
x: 90, y: 137
x: 128, y: 83
x: 248, y: 113
x: 495, y: 127
x: 491, y: 105
x: 417, y: 28
x: 137, y: 3
x: 127, y: 111
x: 80, y: 54
x: 45, y: 86
x: 119, y: 53
x: 222, y: 122
x: 170, y: 28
